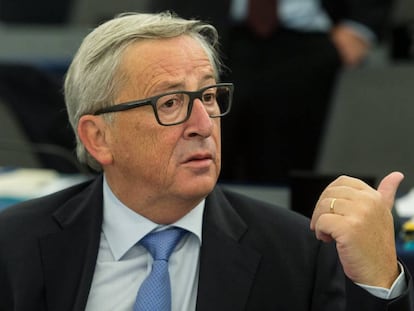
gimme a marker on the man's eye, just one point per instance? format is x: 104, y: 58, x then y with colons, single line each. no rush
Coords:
x: 208, y: 98
x: 170, y: 103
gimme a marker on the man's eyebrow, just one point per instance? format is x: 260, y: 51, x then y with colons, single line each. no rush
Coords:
x: 209, y: 77
x: 166, y: 86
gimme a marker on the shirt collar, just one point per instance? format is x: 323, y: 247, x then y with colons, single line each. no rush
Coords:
x: 123, y: 227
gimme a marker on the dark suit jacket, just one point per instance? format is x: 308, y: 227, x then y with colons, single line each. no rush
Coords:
x: 254, y: 257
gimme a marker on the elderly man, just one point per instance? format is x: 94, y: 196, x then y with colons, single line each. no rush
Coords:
x: 154, y: 231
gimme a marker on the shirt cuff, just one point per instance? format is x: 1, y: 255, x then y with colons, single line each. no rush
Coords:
x: 397, y: 288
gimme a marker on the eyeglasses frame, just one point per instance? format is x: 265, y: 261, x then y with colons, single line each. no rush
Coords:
x: 152, y: 101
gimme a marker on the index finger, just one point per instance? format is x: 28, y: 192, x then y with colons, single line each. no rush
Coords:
x: 343, y: 187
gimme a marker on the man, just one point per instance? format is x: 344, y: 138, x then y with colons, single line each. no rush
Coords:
x: 143, y: 97
x: 288, y: 74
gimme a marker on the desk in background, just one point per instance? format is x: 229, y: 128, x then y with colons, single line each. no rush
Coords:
x: 20, y: 184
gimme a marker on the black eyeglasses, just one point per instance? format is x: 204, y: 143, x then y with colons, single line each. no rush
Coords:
x: 175, y: 107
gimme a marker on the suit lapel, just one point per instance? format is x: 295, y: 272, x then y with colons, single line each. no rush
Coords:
x: 227, y: 268
x: 69, y: 254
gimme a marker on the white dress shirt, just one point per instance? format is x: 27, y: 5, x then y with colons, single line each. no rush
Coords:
x: 122, y: 264
x: 302, y: 15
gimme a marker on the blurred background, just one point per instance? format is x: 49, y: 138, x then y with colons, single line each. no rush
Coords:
x: 368, y: 131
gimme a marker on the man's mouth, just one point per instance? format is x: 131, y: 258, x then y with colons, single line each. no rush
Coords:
x: 199, y: 157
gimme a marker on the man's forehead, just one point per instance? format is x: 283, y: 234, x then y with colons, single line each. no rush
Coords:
x: 167, y: 55
x: 154, y: 66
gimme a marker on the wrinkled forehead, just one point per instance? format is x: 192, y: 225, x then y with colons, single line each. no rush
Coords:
x: 171, y: 51
x: 171, y: 56
x: 157, y: 65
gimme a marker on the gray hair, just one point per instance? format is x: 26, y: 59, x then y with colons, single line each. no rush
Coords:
x: 93, y: 78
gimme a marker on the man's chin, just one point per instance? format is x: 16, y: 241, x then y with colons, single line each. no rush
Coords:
x: 200, y: 185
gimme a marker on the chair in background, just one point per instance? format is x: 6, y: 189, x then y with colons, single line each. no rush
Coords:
x: 34, y: 110
x: 371, y: 128
x: 14, y: 142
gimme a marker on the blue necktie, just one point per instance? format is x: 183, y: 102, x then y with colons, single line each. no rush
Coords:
x: 155, y: 292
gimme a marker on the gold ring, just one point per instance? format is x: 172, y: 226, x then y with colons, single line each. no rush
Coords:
x: 332, y: 207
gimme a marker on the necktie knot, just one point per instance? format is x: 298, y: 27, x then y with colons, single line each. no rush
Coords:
x: 160, y: 244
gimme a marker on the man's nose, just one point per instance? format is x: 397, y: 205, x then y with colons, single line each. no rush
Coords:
x: 200, y: 121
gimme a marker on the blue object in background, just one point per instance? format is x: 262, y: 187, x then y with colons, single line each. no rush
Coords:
x: 7, y: 201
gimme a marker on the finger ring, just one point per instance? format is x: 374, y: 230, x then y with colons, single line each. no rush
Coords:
x: 332, y: 207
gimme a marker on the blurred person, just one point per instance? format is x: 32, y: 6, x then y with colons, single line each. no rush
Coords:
x: 285, y: 74
x: 144, y: 97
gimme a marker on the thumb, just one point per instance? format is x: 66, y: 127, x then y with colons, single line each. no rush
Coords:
x: 389, y: 185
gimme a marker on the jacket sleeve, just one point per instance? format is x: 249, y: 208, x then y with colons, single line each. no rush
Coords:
x: 357, y: 297
x: 334, y: 291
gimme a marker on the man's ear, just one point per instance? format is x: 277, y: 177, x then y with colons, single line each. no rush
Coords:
x: 92, y: 131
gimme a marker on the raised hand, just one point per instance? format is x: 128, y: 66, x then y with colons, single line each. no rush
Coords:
x: 359, y: 219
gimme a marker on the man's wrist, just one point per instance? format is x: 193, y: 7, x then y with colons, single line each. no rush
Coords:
x: 396, y: 290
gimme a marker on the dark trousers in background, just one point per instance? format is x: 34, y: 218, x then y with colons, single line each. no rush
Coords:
x: 283, y: 90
